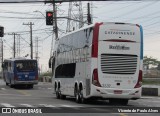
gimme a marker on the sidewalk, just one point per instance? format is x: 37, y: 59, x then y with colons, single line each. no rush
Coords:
x: 150, y: 90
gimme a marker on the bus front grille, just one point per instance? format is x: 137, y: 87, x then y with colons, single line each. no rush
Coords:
x: 118, y: 63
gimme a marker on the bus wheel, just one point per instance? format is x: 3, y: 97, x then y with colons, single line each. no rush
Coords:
x: 7, y: 83
x: 82, y: 99
x: 57, y: 93
x: 11, y: 86
x: 77, y: 95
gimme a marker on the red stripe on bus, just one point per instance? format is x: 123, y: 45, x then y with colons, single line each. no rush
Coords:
x: 95, y: 40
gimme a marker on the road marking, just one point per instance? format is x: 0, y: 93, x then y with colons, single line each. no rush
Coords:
x: 70, y: 106
x: 46, y: 105
x: 147, y: 97
x: 3, y: 88
x: 27, y: 105
x: 122, y: 114
x: 24, y: 93
x: 7, y: 105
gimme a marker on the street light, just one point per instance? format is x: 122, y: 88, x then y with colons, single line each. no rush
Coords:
x: 40, y: 12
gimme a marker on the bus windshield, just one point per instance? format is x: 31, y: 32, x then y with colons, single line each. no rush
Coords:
x: 25, y: 66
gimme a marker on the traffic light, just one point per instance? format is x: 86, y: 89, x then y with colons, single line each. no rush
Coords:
x: 49, y: 18
x: 1, y: 31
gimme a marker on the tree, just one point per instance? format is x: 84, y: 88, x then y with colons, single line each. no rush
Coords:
x: 150, y: 61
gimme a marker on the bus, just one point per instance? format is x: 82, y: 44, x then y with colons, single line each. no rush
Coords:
x: 101, y: 61
x: 20, y: 71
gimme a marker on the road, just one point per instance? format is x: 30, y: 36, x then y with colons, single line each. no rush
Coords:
x: 42, y: 96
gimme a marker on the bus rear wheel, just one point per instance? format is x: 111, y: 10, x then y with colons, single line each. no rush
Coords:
x: 7, y: 84
x: 57, y: 93
x: 82, y: 99
x: 11, y: 85
x: 77, y: 95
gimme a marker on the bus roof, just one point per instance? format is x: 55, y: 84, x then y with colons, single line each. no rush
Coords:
x: 92, y: 25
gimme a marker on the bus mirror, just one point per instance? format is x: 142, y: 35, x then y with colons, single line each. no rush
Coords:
x: 49, y: 63
x: 2, y: 65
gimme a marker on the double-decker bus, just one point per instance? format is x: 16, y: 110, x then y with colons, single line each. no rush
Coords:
x: 20, y: 71
x: 103, y: 60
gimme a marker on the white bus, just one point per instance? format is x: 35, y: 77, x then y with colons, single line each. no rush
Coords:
x: 103, y: 60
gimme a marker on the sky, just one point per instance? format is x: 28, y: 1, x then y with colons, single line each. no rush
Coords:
x: 14, y: 16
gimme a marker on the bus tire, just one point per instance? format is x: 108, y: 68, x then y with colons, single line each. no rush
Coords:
x: 11, y: 86
x: 77, y: 95
x: 82, y: 99
x: 57, y: 93
x: 7, y: 84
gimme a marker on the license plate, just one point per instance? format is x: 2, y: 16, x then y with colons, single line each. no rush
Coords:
x: 117, y: 91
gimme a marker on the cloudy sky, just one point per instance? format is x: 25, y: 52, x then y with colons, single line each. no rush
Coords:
x: 13, y: 16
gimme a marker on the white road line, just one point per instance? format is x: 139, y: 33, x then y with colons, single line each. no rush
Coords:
x: 3, y: 88
x: 71, y: 106
x: 46, y: 105
x: 6, y: 105
x: 27, y: 105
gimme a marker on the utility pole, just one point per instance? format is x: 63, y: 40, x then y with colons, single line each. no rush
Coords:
x: 14, y: 43
x: 14, y: 46
x: 31, y: 43
x: 55, y: 27
x: 89, y: 19
x: 1, y: 51
x: 75, y: 12
x: 36, y: 48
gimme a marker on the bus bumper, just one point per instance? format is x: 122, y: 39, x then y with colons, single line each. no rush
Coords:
x: 26, y: 82
x: 108, y: 93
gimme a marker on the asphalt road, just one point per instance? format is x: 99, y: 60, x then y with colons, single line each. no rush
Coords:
x: 41, y: 96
